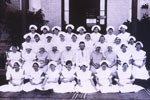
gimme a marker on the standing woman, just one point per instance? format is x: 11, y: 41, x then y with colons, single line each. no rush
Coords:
x: 110, y: 36
x: 32, y: 32
x: 69, y: 28
x: 81, y: 33
x: 26, y: 42
x: 89, y: 42
x: 123, y: 34
x: 131, y: 43
x: 139, y: 61
x: 13, y: 55
x: 55, y: 31
x: 45, y: 29
x: 95, y: 33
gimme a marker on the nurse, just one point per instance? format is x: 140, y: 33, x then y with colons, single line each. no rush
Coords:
x: 104, y: 78
x: 95, y: 33
x: 126, y: 80
x: 32, y: 32
x: 36, y: 79
x: 110, y: 36
x: 123, y: 34
x: 85, y: 83
x: 69, y: 32
x: 15, y: 76
x: 67, y: 78
x: 52, y: 77
x: 45, y: 30
x: 139, y: 61
x: 81, y: 33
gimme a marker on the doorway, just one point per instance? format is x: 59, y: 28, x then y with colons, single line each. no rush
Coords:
x: 85, y: 13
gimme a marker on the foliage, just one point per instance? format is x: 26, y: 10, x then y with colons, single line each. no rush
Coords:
x: 14, y: 24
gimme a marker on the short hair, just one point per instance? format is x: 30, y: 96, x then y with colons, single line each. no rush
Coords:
x: 69, y: 62
x: 81, y: 42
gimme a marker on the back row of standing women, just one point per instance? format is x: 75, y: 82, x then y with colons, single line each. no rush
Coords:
x: 66, y: 56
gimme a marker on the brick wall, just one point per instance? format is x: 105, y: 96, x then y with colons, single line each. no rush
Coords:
x: 52, y: 11
x: 117, y: 12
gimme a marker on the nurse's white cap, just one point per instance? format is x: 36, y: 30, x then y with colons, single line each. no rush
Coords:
x: 110, y: 27
x: 12, y: 47
x: 52, y: 63
x: 45, y: 27
x: 69, y: 25
x: 33, y: 26
x: 26, y: 35
x: 49, y: 35
x: 96, y: 26
x: 140, y: 43
x: 56, y: 27
x: 132, y: 37
x: 81, y: 27
x: 84, y: 63
x: 123, y: 26
x: 104, y: 61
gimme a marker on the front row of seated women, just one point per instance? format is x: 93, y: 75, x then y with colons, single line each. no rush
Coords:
x: 72, y: 79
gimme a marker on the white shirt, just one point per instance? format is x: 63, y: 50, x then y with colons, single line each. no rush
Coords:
x: 82, y: 56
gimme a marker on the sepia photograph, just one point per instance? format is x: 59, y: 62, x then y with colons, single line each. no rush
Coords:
x: 74, y: 49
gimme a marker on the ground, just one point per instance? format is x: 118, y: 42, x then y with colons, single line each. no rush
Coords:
x: 45, y: 95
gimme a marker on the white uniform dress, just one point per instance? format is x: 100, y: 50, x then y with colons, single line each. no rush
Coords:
x: 52, y: 79
x: 103, y: 78
x: 82, y: 56
x: 13, y: 57
x: 110, y: 38
x: 66, y: 85
x: 89, y: 45
x: 124, y: 56
x: 95, y: 36
x: 67, y: 55
x: 124, y: 37
x: 125, y: 81
x: 16, y: 78
x: 28, y: 58
x: 139, y: 73
x: 85, y: 82
x: 36, y: 78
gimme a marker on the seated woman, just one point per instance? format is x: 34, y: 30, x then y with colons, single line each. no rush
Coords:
x: 85, y: 83
x: 14, y: 55
x: 67, y: 78
x: 125, y: 79
x: 36, y: 79
x: 41, y: 57
x: 104, y: 78
x: 15, y: 76
x: 51, y: 77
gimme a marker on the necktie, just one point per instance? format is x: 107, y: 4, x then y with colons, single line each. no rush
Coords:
x: 82, y: 53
